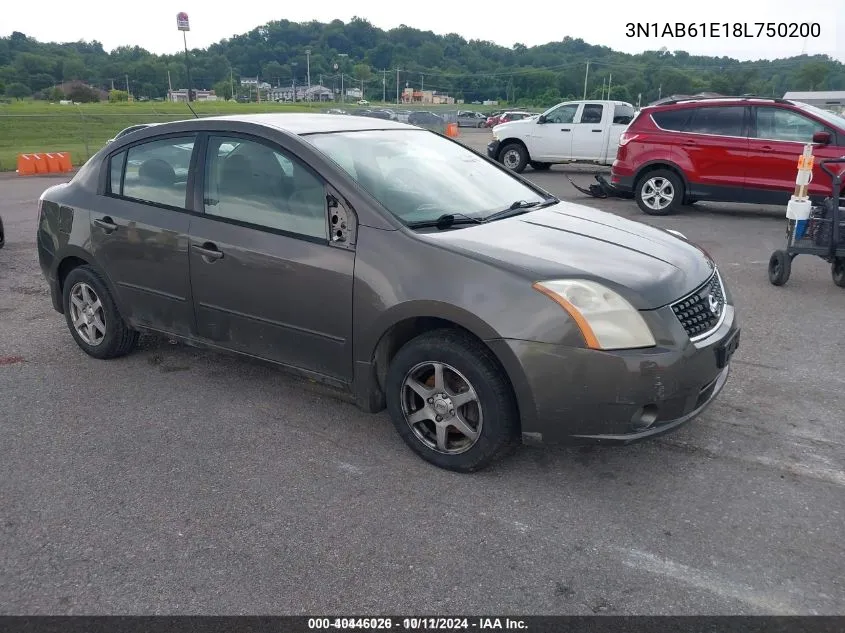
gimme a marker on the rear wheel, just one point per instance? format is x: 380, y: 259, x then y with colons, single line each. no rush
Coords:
x: 659, y: 192
x: 450, y: 401
x: 514, y: 157
x: 93, y: 318
x: 780, y: 267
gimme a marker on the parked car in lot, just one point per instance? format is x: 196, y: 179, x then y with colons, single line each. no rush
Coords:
x: 423, y: 118
x: 492, y: 119
x: 571, y: 131
x: 469, y: 118
x: 513, y: 115
x: 470, y: 303
x: 742, y: 149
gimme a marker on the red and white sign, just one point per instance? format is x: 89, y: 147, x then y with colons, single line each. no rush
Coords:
x: 182, y: 22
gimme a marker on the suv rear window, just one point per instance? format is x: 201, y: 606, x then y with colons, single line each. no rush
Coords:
x: 672, y: 120
x: 719, y: 120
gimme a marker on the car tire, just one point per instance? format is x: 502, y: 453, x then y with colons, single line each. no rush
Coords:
x: 540, y: 166
x: 470, y: 394
x: 780, y: 268
x: 514, y: 157
x: 659, y: 192
x: 93, y: 318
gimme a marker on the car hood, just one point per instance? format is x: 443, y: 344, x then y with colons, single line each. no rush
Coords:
x: 650, y: 267
x: 505, y: 128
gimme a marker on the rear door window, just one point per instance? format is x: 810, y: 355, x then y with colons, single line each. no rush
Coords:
x: 672, y: 120
x: 718, y: 120
x: 592, y: 113
x: 157, y: 172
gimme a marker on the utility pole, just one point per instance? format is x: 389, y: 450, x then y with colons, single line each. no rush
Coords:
x: 231, y: 81
x: 586, y: 75
x: 422, y: 82
x: 384, y: 85
x: 609, y: 81
x: 293, y: 82
x: 603, y: 83
x: 127, y: 86
x: 397, y: 86
x: 308, y: 62
x: 342, y: 93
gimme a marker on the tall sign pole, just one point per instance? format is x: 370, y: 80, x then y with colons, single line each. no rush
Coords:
x: 184, y: 25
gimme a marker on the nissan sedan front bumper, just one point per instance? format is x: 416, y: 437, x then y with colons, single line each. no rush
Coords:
x: 570, y: 395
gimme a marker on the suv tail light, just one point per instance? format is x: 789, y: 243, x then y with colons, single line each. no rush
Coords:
x: 626, y: 138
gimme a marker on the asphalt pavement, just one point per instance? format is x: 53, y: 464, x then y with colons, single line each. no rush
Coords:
x: 184, y: 481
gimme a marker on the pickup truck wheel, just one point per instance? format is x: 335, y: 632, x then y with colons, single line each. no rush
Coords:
x: 514, y: 157
x: 540, y: 166
x: 659, y: 192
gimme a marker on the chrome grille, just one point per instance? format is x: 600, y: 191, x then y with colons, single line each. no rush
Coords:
x: 702, y: 311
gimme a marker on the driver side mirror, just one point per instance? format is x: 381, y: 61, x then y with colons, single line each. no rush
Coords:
x: 541, y: 118
x: 821, y: 138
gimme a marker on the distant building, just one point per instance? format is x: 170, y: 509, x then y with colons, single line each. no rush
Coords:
x: 253, y: 82
x: 199, y: 95
x: 832, y: 99
x: 354, y: 93
x: 430, y: 97
x: 303, y: 93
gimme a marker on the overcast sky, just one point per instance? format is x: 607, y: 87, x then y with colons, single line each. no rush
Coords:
x: 151, y: 24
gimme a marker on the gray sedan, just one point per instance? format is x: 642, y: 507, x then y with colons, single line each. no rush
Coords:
x: 395, y: 264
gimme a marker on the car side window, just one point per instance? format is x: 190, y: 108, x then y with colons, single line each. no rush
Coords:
x: 256, y: 184
x: 592, y: 113
x: 563, y: 114
x: 116, y: 173
x: 718, y: 120
x: 157, y: 171
x: 672, y: 120
x: 778, y: 124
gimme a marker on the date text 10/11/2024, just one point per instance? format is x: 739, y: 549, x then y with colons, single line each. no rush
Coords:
x: 724, y: 29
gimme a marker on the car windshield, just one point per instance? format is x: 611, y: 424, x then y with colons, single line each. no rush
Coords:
x: 826, y: 115
x: 419, y: 176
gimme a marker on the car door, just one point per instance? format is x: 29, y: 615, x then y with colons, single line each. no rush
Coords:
x: 778, y: 139
x: 715, y: 146
x: 267, y: 280
x: 139, y: 236
x: 552, y: 139
x: 588, y: 134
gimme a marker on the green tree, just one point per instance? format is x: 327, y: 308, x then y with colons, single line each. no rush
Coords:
x: 223, y: 89
x: 18, y: 91
x: 117, y: 96
x: 362, y: 72
x: 73, y: 68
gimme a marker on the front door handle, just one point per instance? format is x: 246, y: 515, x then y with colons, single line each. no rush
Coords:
x: 565, y: 129
x: 209, y: 252
x: 106, y: 224
x: 766, y: 148
x: 596, y: 130
x: 689, y: 142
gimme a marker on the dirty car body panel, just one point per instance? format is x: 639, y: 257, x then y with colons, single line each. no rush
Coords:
x: 338, y: 308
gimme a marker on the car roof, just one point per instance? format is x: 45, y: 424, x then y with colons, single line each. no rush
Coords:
x: 685, y: 102
x: 300, y: 123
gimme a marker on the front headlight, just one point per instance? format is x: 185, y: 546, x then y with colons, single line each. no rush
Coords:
x: 606, y: 320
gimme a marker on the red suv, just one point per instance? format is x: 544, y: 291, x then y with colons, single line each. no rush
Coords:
x: 723, y: 149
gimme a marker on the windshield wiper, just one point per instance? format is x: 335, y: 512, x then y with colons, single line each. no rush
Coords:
x: 521, y: 206
x: 445, y: 221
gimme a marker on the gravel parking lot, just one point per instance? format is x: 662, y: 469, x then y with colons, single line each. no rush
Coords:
x: 178, y: 480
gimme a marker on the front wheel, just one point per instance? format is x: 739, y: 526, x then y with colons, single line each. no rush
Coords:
x: 514, y: 157
x: 659, y: 192
x: 780, y: 268
x: 450, y: 401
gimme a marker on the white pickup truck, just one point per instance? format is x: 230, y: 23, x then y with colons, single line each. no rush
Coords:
x: 572, y: 131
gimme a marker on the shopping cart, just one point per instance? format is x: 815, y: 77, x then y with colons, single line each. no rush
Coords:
x: 814, y: 230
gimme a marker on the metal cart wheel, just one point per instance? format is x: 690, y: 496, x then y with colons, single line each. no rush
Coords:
x: 780, y: 267
x: 837, y: 271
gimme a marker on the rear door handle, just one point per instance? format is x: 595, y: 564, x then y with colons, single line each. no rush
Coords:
x: 766, y: 148
x: 596, y: 130
x: 565, y: 129
x: 689, y: 142
x: 106, y: 224
x: 209, y: 251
